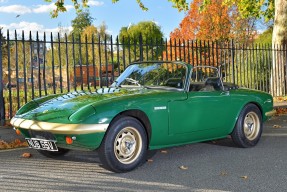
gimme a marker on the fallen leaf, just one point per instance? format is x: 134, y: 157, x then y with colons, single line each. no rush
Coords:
x: 223, y: 173
x: 280, y: 111
x: 14, y: 144
x: 183, y: 167
x: 244, y: 177
x: 163, y: 151
x: 17, y: 141
x: 26, y: 155
x: 277, y: 126
x: 3, y: 145
x: 149, y: 160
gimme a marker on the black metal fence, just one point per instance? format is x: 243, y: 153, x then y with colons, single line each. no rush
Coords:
x: 42, y: 64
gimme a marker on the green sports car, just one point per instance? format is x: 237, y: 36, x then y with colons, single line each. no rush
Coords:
x: 151, y: 105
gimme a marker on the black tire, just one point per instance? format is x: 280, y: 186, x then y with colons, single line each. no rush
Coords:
x: 54, y: 154
x: 124, y: 146
x: 248, y: 129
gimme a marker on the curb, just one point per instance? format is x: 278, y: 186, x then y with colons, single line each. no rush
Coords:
x: 280, y: 105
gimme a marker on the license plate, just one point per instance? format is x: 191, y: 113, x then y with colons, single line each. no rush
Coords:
x: 42, y: 144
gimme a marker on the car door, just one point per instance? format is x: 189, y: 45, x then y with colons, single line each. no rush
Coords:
x: 205, y: 109
x: 201, y: 111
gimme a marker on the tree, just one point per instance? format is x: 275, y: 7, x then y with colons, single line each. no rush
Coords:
x: 270, y: 9
x: 265, y: 37
x: 215, y: 22
x: 275, y: 10
x: 202, y: 34
x: 3, y: 49
x: 96, y: 35
x: 82, y: 20
x: 79, y: 24
x: 148, y: 32
x: 181, y: 5
x: 279, y: 39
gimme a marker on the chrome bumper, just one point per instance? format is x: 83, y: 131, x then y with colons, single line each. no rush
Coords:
x: 59, y: 128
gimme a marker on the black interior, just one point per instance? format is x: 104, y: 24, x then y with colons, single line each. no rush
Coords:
x: 214, y: 82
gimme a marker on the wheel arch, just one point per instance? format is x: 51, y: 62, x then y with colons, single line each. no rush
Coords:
x: 250, y: 102
x: 257, y: 105
x: 238, y: 134
x: 140, y: 116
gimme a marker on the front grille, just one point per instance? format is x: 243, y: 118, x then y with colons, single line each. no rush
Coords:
x: 41, y: 135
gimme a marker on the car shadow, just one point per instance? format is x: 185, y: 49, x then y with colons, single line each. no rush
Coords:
x: 226, y: 142
x: 81, y: 156
x: 91, y: 156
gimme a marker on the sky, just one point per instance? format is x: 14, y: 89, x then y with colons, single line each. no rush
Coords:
x: 34, y: 15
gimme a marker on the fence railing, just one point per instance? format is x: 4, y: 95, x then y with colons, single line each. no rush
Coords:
x: 42, y: 64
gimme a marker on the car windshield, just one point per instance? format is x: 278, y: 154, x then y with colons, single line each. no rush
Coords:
x: 153, y: 75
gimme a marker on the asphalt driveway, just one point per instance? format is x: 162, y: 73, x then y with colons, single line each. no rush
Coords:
x: 212, y: 166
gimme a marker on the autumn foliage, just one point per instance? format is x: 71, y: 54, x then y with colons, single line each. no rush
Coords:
x: 216, y: 22
x: 203, y: 32
x: 14, y: 144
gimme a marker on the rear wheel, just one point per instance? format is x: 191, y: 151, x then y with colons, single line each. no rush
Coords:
x: 54, y: 154
x: 124, y: 146
x: 248, y: 129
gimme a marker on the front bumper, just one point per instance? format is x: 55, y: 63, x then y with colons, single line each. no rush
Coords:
x: 88, y: 136
x: 58, y: 128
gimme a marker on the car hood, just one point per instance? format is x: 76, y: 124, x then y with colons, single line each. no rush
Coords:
x: 61, y: 108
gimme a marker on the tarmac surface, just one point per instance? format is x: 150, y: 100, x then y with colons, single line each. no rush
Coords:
x: 215, y: 166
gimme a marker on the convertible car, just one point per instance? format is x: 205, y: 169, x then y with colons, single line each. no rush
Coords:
x: 151, y: 105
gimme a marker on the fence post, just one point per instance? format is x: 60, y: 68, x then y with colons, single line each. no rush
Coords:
x: 141, y: 47
x: 2, y: 105
x: 285, y: 79
x: 232, y: 58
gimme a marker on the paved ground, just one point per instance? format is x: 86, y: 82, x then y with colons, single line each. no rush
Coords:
x: 212, y: 166
x: 8, y: 134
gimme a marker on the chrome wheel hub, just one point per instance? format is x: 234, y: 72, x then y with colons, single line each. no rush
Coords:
x: 251, y: 125
x: 127, y: 145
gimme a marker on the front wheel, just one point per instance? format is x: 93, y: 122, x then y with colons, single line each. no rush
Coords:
x: 248, y: 129
x: 124, y: 146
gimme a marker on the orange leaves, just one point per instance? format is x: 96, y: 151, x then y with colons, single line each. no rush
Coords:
x: 3, y: 144
x: 213, y: 23
x: 279, y: 99
x: 26, y: 155
x: 280, y: 111
x: 14, y: 144
x: 281, y: 105
x: 217, y: 21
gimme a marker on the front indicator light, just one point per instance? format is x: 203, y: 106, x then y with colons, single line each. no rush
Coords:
x: 69, y: 140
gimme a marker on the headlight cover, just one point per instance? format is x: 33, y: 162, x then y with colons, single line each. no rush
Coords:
x: 82, y: 114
